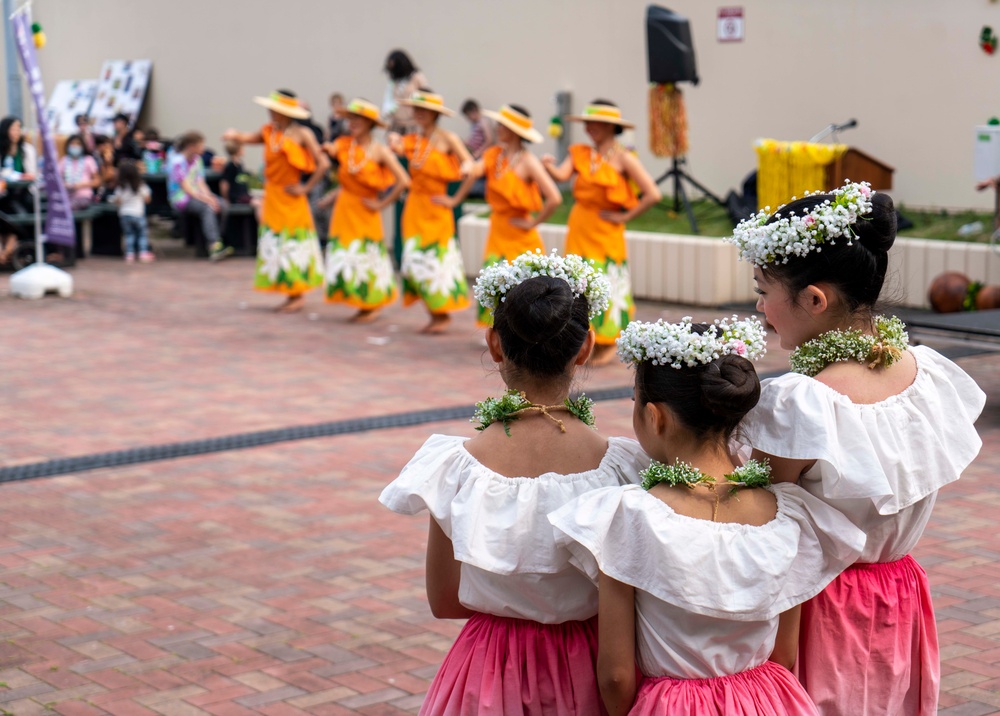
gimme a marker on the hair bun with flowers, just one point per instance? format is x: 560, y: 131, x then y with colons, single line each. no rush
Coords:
x: 761, y: 243
x: 678, y: 344
x: 583, y: 278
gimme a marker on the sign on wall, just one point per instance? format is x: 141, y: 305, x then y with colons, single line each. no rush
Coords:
x: 121, y: 88
x: 730, y: 25
x: 69, y: 98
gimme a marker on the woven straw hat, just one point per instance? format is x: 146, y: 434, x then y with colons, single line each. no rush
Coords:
x: 516, y: 122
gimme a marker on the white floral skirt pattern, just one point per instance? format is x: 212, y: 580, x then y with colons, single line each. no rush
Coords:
x: 435, y: 275
x: 359, y: 273
x: 288, y: 262
x: 621, y: 307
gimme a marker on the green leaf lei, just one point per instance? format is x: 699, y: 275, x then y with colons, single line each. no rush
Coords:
x: 876, y: 351
x: 752, y: 474
x: 508, y: 408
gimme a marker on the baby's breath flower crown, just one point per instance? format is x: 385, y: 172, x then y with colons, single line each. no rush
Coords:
x: 583, y: 278
x: 677, y: 345
x: 795, y: 235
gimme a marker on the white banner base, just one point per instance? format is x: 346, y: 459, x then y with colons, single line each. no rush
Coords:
x: 39, y: 279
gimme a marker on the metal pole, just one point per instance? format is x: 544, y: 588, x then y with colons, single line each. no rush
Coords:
x: 15, y: 102
x: 563, y: 100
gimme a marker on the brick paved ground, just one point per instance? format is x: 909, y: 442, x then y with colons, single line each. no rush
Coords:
x: 269, y: 580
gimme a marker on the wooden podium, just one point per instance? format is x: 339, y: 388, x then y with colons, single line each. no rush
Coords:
x: 858, y: 166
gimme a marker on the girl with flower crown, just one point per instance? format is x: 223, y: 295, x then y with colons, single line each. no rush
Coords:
x: 519, y: 191
x: 604, y: 202
x: 867, y: 423
x: 696, y: 566
x: 530, y: 643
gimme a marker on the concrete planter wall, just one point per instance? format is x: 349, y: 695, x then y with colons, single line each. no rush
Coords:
x: 704, y: 271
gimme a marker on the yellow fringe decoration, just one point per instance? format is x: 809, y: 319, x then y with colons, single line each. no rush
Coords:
x: 668, y: 127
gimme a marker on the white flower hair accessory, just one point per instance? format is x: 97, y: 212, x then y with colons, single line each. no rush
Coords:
x: 583, y: 278
x: 678, y: 345
x: 795, y: 235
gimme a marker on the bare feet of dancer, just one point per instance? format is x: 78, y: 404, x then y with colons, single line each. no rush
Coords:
x: 365, y: 315
x: 438, y: 325
x: 292, y: 304
x: 602, y: 355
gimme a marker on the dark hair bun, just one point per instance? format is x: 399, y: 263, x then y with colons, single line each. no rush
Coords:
x: 730, y: 387
x: 541, y: 325
x: 542, y: 305
x: 877, y: 230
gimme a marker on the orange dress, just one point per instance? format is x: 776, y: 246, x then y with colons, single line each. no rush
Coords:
x: 431, y: 268
x: 509, y: 197
x: 288, y: 255
x: 600, y: 187
x: 359, y: 271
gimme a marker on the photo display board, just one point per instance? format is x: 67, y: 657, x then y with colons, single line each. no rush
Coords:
x: 121, y: 88
x: 69, y: 98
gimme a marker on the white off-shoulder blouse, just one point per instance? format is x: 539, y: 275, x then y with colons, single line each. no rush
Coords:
x: 881, y: 464
x: 511, y: 565
x: 707, y: 594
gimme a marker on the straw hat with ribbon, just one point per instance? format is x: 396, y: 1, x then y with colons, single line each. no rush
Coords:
x: 284, y: 104
x: 364, y: 108
x: 428, y: 100
x: 516, y: 122
x: 601, y: 113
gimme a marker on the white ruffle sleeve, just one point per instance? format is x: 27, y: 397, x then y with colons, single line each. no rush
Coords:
x: 724, y: 570
x: 497, y: 523
x: 895, y: 452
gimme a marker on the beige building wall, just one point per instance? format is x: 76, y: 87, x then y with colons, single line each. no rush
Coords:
x: 910, y: 71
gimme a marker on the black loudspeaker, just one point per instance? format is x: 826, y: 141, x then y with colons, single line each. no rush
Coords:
x: 669, y: 49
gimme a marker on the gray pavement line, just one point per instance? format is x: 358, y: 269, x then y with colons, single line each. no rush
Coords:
x: 242, y: 441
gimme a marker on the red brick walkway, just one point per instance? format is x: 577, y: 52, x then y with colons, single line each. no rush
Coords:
x: 269, y: 580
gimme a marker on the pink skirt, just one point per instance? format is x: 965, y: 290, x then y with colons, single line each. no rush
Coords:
x: 869, y: 643
x: 765, y: 690
x: 514, y: 666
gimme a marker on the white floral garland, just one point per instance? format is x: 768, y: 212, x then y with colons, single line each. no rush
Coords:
x: 583, y: 278
x: 677, y: 345
x: 796, y: 235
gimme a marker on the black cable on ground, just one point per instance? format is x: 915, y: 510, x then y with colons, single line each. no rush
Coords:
x: 241, y: 441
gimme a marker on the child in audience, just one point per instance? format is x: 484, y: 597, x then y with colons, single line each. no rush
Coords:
x: 233, y: 185
x: 79, y: 173
x: 131, y: 196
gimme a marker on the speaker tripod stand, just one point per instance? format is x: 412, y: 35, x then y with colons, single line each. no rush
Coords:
x: 679, y: 176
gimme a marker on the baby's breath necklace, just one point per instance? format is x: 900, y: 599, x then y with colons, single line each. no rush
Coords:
x: 752, y: 474
x: 878, y: 350
x: 513, y: 404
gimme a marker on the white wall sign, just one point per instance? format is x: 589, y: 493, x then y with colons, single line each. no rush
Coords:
x: 730, y: 26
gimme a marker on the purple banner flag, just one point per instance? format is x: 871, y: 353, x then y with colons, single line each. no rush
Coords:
x: 59, y: 222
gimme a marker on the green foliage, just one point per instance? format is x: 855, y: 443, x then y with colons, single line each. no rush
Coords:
x: 508, y: 408
x: 752, y: 474
x: 876, y: 351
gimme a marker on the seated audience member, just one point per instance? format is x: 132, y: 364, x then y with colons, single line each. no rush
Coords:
x: 310, y: 124
x: 483, y: 134
x: 233, y: 185
x: 104, y: 155
x: 19, y: 163
x: 80, y: 173
x: 189, y: 194
x: 338, y: 118
x: 124, y: 142
x: 86, y: 132
x: 8, y: 244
